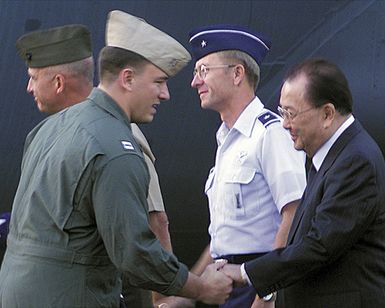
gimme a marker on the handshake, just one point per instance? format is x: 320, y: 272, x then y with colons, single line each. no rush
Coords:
x: 212, y: 287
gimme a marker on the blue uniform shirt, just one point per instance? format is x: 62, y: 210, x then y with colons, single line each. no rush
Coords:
x: 257, y: 171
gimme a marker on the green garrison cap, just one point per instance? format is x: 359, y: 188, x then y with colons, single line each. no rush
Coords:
x: 55, y: 46
x: 135, y: 34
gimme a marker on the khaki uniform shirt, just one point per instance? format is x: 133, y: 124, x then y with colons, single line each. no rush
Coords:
x: 154, y: 199
x: 79, y: 216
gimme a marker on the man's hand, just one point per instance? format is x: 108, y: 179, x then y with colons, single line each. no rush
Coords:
x: 216, y: 286
x: 234, y: 272
x: 174, y: 302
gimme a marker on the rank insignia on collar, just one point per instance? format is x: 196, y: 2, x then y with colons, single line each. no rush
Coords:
x: 127, y: 145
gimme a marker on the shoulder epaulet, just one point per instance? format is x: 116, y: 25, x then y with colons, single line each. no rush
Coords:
x: 268, y: 118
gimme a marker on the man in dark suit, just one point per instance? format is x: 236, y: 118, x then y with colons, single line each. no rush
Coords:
x: 335, y: 255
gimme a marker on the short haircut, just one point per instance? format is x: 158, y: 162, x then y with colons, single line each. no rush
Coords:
x: 113, y: 59
x: 80, y: 69
x: 251, y: 67
x: 326, y: 83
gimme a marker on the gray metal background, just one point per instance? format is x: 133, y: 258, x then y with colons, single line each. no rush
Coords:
x: 350, y: 33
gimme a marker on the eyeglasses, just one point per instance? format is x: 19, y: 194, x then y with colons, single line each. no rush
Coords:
x: 286, y: 114
x: 202, y: 70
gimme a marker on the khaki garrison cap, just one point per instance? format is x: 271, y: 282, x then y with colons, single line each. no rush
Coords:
x: 55, y: 46
x: 135, y: 34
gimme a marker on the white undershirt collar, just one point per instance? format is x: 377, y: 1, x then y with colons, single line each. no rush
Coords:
x: 320, y: 155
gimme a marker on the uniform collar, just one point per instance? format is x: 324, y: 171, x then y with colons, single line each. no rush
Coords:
x: 247, y: 118
x: 141, y: 139
x: 245, y: 121
x: 107, y: 103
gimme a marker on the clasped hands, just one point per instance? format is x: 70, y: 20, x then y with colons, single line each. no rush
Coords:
x: 218, y: 280
x: 233, y: 271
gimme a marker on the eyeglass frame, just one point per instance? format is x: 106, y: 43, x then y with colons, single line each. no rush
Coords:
x: 198, y: 71
x: 287, y: 114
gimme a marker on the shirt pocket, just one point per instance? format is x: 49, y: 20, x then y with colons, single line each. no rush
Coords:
x: 236, y: 184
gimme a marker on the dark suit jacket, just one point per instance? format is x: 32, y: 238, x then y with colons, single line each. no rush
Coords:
x: 336, y: 248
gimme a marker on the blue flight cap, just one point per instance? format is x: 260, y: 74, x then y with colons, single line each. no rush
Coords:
x: 209, y: 39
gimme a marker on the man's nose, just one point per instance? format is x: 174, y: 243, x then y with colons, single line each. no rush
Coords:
x: 165, y: 94
x: 196, y: 81
x: 29, y: 86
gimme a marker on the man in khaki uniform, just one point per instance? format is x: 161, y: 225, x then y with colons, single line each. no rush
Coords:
x: 80, y: 212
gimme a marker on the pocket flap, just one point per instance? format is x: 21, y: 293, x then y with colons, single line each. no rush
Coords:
x: 242, y: 175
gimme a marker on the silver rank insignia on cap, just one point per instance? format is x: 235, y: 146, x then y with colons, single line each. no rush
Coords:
x: 204, y: 43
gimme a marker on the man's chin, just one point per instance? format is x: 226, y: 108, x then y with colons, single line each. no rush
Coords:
x: 205, y: 105
x: 145, y: 120
x: 41, y: 108
x: 298, y: 146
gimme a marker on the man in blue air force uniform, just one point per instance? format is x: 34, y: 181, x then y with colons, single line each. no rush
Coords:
x: 258, y: 178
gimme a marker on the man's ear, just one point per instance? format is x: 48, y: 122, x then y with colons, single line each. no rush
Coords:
x: 239, y: 74
x: 126, y: 78
x: 329, y: 113
x: 60, y: 83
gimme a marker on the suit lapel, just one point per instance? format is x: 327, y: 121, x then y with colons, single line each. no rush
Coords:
x: 333, y: 153
x: 301, y: 208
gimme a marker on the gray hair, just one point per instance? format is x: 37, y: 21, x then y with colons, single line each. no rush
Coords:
x: 81, y: 69
x: 251, y: 67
